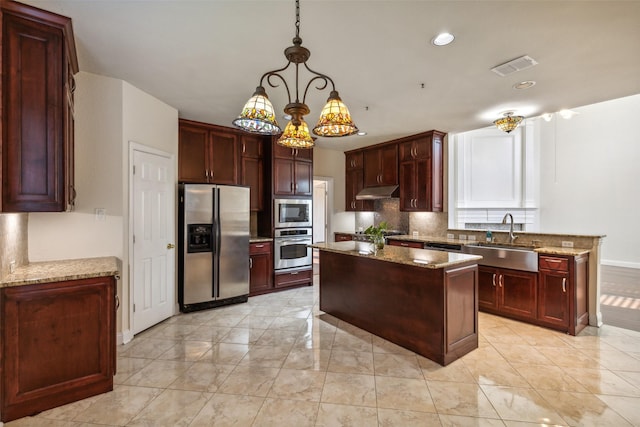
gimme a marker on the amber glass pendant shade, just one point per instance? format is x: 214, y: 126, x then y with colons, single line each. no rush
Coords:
x: 508, y: 123
x: 258, y: 116
x: 335, y: 119
x: 296, y: 137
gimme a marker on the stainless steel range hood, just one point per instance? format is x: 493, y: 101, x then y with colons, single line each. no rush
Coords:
x: 375, y: 193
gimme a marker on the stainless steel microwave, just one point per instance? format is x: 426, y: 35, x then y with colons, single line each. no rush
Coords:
x: 292, y: 213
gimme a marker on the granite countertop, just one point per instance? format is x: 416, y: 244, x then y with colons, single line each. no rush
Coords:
x: 62, y: 270
x: 428, y: 239
x: 400, y: 255
x: 562, y: 251
x: 258, y: 239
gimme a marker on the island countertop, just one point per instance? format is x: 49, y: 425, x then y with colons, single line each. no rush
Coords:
x: 61, y: 270
x: 415, y: 257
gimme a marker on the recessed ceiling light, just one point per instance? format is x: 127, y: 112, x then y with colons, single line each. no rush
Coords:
x: 362, y: 133
x: 567, y: 114
x: 524, y: 85
x: 443, y: 39
x: 547, y: 117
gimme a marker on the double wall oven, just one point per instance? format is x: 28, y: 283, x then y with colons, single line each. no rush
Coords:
x: 293, y: 234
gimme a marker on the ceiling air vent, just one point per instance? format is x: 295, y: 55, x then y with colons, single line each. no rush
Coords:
x: 514, y: 65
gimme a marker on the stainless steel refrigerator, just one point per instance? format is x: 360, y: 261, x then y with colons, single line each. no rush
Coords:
x: 213, y: 266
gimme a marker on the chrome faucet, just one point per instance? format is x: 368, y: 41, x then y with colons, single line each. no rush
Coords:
x: 512, y: 237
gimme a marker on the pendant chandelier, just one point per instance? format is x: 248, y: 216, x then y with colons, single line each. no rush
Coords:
x: 509, y: 122
x: 258, y: 115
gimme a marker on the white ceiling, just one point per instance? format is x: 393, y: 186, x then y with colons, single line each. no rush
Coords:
x: 205, y: 57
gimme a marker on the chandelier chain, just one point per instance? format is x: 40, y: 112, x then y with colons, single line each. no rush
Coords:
x: 297, y: 18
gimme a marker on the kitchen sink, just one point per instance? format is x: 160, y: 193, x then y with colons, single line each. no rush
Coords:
x: 504, y: 256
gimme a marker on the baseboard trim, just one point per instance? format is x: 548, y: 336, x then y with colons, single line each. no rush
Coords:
x: 122, y: 338
x: 595, y: 319
x: 624, y: 264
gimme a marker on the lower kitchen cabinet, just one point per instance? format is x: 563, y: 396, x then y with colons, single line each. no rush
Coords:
x: 405, y: 244
x: 287, y: 279
x: 511, y: 293
x: 261, y: 268
x: 58, y: 344
x: 562, y: 292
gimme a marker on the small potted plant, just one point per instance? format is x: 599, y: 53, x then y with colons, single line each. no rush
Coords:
x: 377, y: 234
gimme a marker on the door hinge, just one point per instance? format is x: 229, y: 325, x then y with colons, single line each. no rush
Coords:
x: 134, y: 308
x: 134, y: 238
x: 134, y: 169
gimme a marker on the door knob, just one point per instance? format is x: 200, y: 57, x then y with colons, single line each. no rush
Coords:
x: 170, y: 246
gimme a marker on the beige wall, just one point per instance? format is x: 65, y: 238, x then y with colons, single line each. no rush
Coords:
x: 13, y: 241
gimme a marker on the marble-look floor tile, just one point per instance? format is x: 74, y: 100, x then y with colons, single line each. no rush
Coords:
x: 396, y: 365
x: 398, y: 417
x: 460, y: 399
x: 202, y: 377
x: 349, y: 389
x: 188, y: 351
x: 149, y: 348
x: 322, y: 341
x: 266, y: 355
x: 455, y: 371
x: 119, y: 406
x: 351, y: 362
x: 403, y: 393
x: 627, y: 407
x: 522, y: 354
x: 172, y: 408
x: 294, y: 384
x: 174, y: 332
x: 286, y: 413
x: 567, y: 357
x: 69, y: 411
x: 288, y: 324
x: 208, y: 333
x: 544, y: 377
x: 243, y: 335
x: 490, y: 372
x: 278, y: 337
x: 463, y: 421
x: 603, y: 381
x: 613, y: 359
x: 522, y: 404
x: 630, y: 377
x: 349, y: 342
x: 159, y: 373
x: 380, y: 345
x: 583, y: 409
x: 252, y: 321
x: 311, y: 359
x: 127, y: 366
x: 332, y: 415
x: 249, y: 380
x: 225, y: 320
x: 226, y: 410
x: 225, y: 353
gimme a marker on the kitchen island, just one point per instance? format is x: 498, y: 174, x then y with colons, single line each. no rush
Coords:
x: 423, y: 300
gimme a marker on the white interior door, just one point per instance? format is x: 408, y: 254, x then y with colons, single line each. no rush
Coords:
x: 319, y: 211
x: 154, y: 250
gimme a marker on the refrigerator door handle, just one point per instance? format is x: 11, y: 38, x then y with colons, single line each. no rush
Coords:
x: 216, y: 252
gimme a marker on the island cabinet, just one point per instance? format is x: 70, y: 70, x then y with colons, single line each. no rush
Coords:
x: 58, y: 344
x: 381, y: 165
x: 562, y: 292
x: 354, y: 179
x: 260, y: 268
x: 252, y: 169
x: 292, y: 171
x: 421, y: 169
x: 511, y: 293
x: 405, y: 244
x: 38, y: 64
x: 207, y: 153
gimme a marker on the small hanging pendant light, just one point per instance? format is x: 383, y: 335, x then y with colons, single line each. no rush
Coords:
x: 509, y: 122
x: 258, y: 116
x: 335, y: 119
x: 296, y: 136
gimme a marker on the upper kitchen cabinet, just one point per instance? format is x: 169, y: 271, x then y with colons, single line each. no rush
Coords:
x: 292, y: 171
x: 354, y: 180
x: 207, y: 154
x: 38, y: 64
x: 421, y: 164
x: 252, y: 169
x: 381, y: 165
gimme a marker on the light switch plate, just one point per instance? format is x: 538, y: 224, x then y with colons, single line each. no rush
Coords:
x: 101, y: 214
x: 462, y: 237
x: 12, y: 267
x: 471, y: 238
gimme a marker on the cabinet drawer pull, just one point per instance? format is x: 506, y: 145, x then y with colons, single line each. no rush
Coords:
x: 404, y: 244
x: 493, y: 280
x: 259, y: 246
x: 294, y: 273
x: 117, y: 302
x: 564, y: 285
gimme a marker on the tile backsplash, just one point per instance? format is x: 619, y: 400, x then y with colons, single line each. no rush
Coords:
x: 13, y: 241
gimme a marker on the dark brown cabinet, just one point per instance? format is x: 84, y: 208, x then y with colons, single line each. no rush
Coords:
x: 421, y: 173
x: 342, y: 237
x: 261, y: 268
x: 292, y: 171
x: 511, y: 293
x: 354, y: 182
x: 207, y: 154
x: 251, y: 169
x: 405, y: 244
x: 38, y: 63
x: 285, y: 279
x: 381, y: 166
x: 562, y: 292
x: 58, y: 344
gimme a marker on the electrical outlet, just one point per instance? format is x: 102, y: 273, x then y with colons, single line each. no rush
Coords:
x: 415, y: 234
x: 462, y: 237
x: 12, y: 267
x: 471, y: 238
x: 566, y: 244
x: 450, y: 236
x: 101, y: 214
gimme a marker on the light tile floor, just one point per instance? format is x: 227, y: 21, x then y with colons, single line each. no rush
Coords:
x: 279, y: 361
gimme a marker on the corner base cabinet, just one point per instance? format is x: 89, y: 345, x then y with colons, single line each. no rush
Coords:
x: 58, y: 344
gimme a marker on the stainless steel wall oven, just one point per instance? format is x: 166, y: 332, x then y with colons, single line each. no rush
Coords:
x: 290, y: 248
